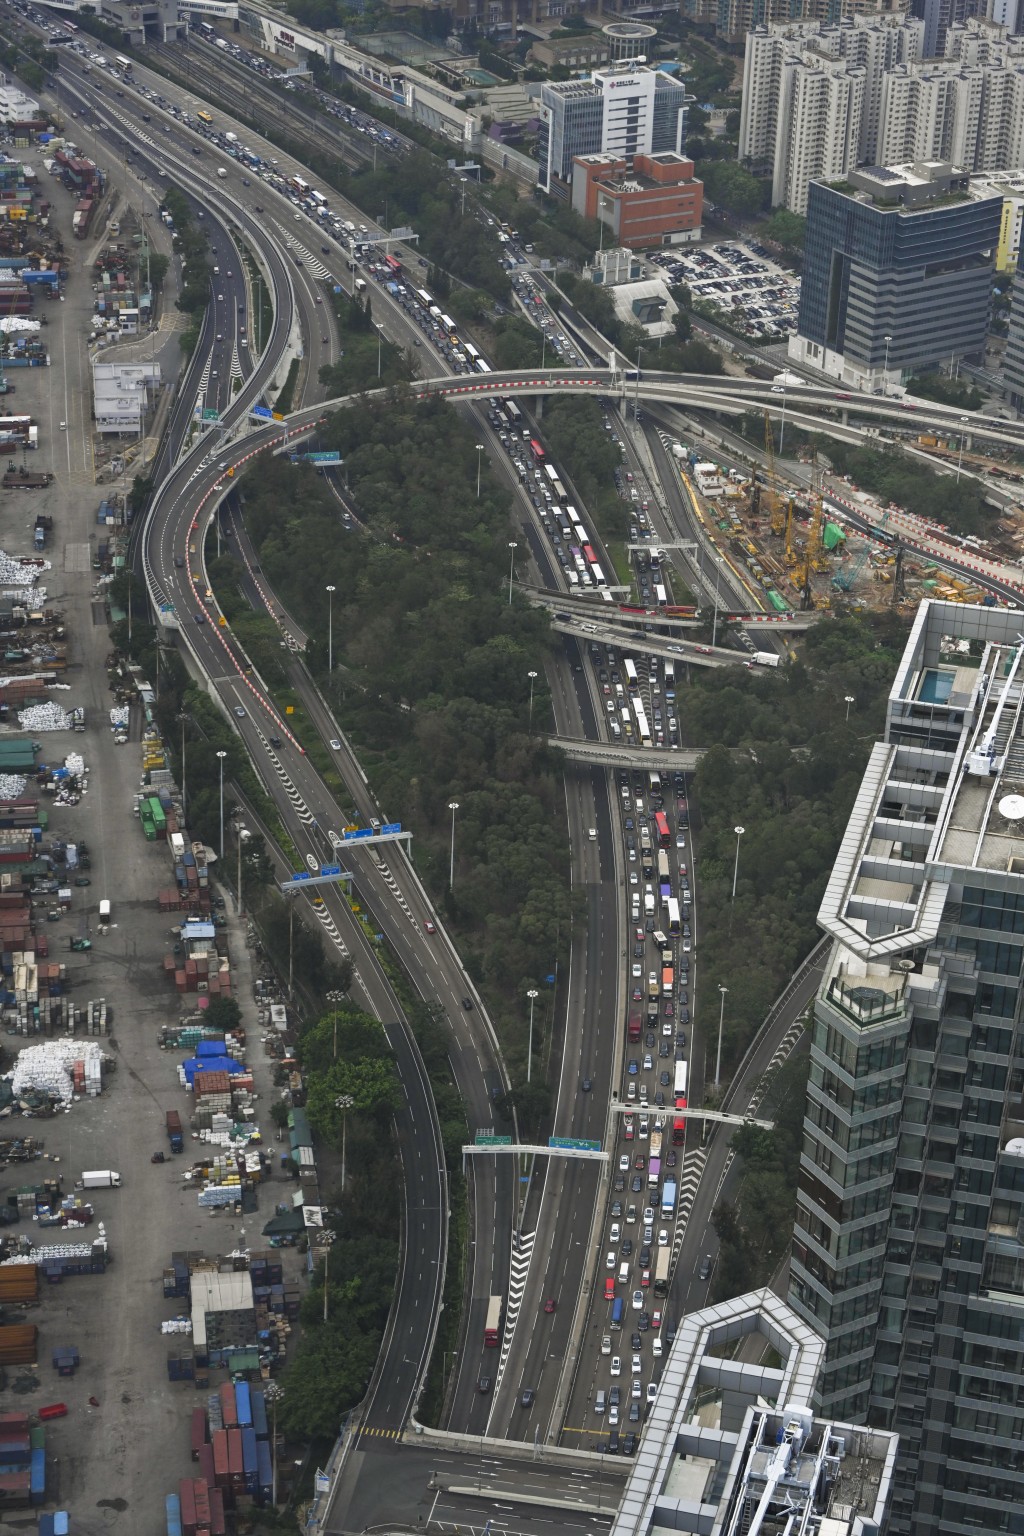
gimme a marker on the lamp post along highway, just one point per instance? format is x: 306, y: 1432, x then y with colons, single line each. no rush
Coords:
x: 848, y: 699
x: 533, y: 678
x: 220, y: 758
x: 453, y: 806
x: 885, y: 368
x: 330, y: 627
x: 736, y: 862
x: 718, y: 1053
x: 344, y: 1102
x: 513, y: 546
x: 533, y: 995
x: 964, y: 420
x: 479, y: 461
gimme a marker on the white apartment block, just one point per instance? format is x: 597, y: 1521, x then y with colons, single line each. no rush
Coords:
x: 820, y: 100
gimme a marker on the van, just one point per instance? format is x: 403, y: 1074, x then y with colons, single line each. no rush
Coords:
x: 104, y: 911
x: 660, y: 939
x: 624, y: 1273
x: 617, y: 1312
x: 656, y: 1346
x: 600, y: 1402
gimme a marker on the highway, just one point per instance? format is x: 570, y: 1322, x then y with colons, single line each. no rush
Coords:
x: 556, y: 1213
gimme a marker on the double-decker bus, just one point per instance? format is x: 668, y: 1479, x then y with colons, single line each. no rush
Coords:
x: 449, y: 325
x: 679, y: 1123
x: 632, y: 681
x: 424, y: 298
x: 492, y: 1323
x: 392, y: 263
x: 661, y: 829
x: 558, y: 490
x: 660, y: 595
x: 470, y: 351
x: 537, y: 451
x: 514, y: 414
x: 670, y: 681
x: 205, y: 117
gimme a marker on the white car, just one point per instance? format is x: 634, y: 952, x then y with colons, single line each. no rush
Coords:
x: 606, y: 1345
x: 609, y: 1262
x: 616, y: 1365
x: 663, y: 1237
x: 636, y: 1368
x: 652, y: 1389
x: 638, y: 1301
x: 636, y: 1388
x: 616, y: 1232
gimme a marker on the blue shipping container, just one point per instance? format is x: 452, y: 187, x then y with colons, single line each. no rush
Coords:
x: 173, y: 1507
x: 264, y: 1472
x: 37, y: 1484
x: 250, y: 1462
x: 259, y: 1414
x: 46, y: 1525
x: 61, y: 1523
x: 243, y: 1404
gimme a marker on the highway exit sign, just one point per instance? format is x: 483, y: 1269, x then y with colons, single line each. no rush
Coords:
x: 573, y: 1144
x: 481, y: 1139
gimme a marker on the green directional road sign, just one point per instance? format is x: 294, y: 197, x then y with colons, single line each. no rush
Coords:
x: 483, y: 1140
x: 211, y: 415
x: 573, y: 1144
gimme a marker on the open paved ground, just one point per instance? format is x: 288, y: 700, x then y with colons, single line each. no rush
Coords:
x: 112, y: 1465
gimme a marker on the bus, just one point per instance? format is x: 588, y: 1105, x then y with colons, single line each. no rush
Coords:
x: 673, y: 915
x: 481, y: 366
x: 514, y: 414
x: 661, y: 1269
x: 552, y: 473
x: 627, y: 724
x: 205, y: 117
x: 641, y: 723
x: 663, y: 873
x: 601, y: 581
x: 69, y: 26
x: 670, y: 682
x: 661, y: 828
x: 424, y: 298
x: 660, y: 595
x: 558, y: 491
x: 680, y: 1084
x: 492, y: 1323
x: 537, y: 451
x: 321, y: 202
x: 450, y: 326
x: 122, y: 63
x: 632, y: 681
x: 467, y: 346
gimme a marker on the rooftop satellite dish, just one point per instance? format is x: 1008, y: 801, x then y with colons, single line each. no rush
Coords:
x: 1011, y: 807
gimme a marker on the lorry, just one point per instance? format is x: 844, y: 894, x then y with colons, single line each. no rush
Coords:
x: 174, y: 1134
x: 104, y: 911
x: 765, y: 659
x: 222, y: 172
x: 634, y: 1028
x: 100, y: 1178
x: 786, y: 380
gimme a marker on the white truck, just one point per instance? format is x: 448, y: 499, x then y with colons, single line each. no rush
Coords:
x: 222, y: 172
x: 100, y: 1178
x: 765, y: 659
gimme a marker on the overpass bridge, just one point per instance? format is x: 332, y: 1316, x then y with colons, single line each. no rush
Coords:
x: 586, y: 611
x: 606, y: 754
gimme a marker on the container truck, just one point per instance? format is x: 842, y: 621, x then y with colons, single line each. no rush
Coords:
x: 174, y: 1135
x: 765, y: 659
x: 100, y: 1178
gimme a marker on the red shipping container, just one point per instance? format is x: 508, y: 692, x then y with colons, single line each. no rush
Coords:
x: 228, y: 1410
x: 202, y: 1497
x: 217, y: 1523
x: 206, y: 1463
x: 221, y: 1473
x: 198, y: 1431
x: 236, y: 1462
x: 13, y: 1424
x: 187, y: 1495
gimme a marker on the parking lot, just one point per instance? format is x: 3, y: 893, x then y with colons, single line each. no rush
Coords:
x: 741, y: 279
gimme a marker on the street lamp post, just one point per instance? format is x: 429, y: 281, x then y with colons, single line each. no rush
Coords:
x: 183, y: 718
x: 380, y: 342
x: 714, y: 622
x: 533, y: 678
x: 636, y: 391
x: 960, y: 456
x: 736, y: 863
x: 330, y: 627
x: 885, y: 370
x: 718, y: 1053
x: 221, y: 756
x: 273, y: 1394
x: 479, y: 461
x: 344, y: 1102
x: 848, y: 699
x: 334, y: 998
x: 453, y: 806
x: 239, y: 840
x: 513, y: 546
x: 533, y: 994
x: 782, y: 425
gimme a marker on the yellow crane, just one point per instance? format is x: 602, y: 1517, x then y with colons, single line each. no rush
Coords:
x: 775, y: 508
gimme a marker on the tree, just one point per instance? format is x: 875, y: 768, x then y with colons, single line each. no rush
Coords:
x: 733, y: 188
x: 222, y: 1014
x: 787, y: 229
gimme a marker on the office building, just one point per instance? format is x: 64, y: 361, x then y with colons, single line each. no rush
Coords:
x: 652, y: 201
x: 1013, y: 352
x: 818, y: 101
x: 628, y: 111
x: 728, y: 1440
x: 908, y: 1249
x: 897, y: 276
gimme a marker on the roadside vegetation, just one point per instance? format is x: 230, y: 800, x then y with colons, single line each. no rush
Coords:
x: 431, y: 681
x: 785, y: 765
x: 890, y: 476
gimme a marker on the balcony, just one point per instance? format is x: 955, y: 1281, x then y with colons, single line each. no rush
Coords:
x: 868, y: 1000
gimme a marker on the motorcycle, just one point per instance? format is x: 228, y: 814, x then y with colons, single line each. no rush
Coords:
x: 158, y: 1157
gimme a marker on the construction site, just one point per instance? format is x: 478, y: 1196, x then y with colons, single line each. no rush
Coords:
x: 796, y: 551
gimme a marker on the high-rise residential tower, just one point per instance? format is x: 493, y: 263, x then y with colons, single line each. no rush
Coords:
x: 908, y: 1249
